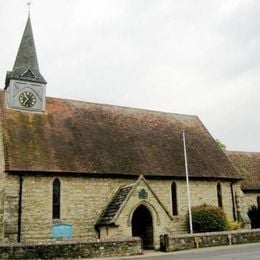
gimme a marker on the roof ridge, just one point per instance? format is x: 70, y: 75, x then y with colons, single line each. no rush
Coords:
x: 121, y: 106
x: 244, y: 152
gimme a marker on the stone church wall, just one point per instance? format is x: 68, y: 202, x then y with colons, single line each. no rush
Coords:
x: 83, y: 199
x: 162, y: 222
x: 250, y: 198
x: 201, y: 192
x: 241, y: 206
x: 11, y: 200
x: 2, y: 174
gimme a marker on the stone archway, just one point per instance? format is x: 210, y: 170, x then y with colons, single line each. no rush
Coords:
x: 142, y: 226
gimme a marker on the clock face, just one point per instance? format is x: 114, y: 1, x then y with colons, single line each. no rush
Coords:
x: 27, y: 99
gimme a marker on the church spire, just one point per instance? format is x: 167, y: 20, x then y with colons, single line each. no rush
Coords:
x: 25, y: 86
x: 26, y: 66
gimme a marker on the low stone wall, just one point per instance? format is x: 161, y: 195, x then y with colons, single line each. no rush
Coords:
x: 246, y: 237
x: 70, y: 249
x: 173, y: 243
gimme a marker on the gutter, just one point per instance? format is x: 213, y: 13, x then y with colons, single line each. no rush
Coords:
x: 117, y: 174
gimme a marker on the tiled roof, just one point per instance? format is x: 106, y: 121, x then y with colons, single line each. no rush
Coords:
x: 81, y: 137
x: 114, y: 206
x: 248, y: 166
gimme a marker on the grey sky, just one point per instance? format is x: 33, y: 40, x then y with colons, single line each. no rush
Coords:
x: 183, y: 56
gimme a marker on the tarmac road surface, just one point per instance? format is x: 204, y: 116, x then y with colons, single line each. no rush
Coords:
x: 237, y: 252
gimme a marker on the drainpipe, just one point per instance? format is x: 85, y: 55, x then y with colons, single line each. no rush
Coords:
x: 233, y: 201
x: 20, y: 208
x: 97, y: 228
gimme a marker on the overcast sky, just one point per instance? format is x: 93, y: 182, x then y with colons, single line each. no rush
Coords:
x: 199, y: 57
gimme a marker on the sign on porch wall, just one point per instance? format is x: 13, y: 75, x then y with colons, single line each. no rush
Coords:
x: 143, y: 194
x: 61, y: 231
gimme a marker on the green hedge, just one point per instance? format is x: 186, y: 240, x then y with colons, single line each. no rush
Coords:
x: 207, y: 218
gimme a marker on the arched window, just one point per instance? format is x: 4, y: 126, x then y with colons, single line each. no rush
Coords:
x: 258, y: 201
x: 174, y: 199
x: 219, y: 194
x: 56, y: 199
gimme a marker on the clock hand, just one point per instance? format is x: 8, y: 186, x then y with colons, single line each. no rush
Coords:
x: 27, y: 99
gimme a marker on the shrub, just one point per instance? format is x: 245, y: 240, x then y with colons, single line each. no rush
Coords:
x: 232, y: 225
x: 254, y: 215
x: 207, y: 218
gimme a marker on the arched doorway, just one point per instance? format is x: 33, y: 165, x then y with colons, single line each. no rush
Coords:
x: 142, y: 226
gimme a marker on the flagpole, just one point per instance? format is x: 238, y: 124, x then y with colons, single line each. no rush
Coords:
x: 187, y: 181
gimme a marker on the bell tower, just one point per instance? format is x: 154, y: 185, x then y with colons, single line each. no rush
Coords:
x: 25, y: 86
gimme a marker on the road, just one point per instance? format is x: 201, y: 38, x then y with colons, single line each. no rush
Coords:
x: 237, y: 252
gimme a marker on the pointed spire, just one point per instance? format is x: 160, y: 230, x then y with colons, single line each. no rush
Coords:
x: 26, y: 64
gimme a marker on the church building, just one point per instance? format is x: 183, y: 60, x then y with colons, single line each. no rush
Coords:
x: 79, y: 170
x: 248, y: 167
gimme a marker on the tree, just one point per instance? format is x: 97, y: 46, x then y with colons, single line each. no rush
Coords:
x: 221, y: 145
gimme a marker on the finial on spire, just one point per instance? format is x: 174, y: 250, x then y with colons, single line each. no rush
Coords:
x: 29, y: 6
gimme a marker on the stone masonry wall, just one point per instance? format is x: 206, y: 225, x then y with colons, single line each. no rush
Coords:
x: 69, y: 250
x: 250, y: 198
x: 162, y: 222
x: 11, y: 200
x: 200, y: 240
x: 2, y: 174
x: 83, y: 199
x: 241, y: 205
x: 201, y: 192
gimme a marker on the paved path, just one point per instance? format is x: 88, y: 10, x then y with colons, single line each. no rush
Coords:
x: 236, y: 252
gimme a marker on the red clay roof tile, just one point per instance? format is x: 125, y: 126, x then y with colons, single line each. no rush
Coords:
x: 248, y: 166
x: 81, y: 137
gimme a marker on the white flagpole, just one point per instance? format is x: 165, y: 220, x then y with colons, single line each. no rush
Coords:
x: 187, y: 181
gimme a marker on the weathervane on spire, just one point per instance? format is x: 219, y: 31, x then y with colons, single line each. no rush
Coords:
x: 29, y: 6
